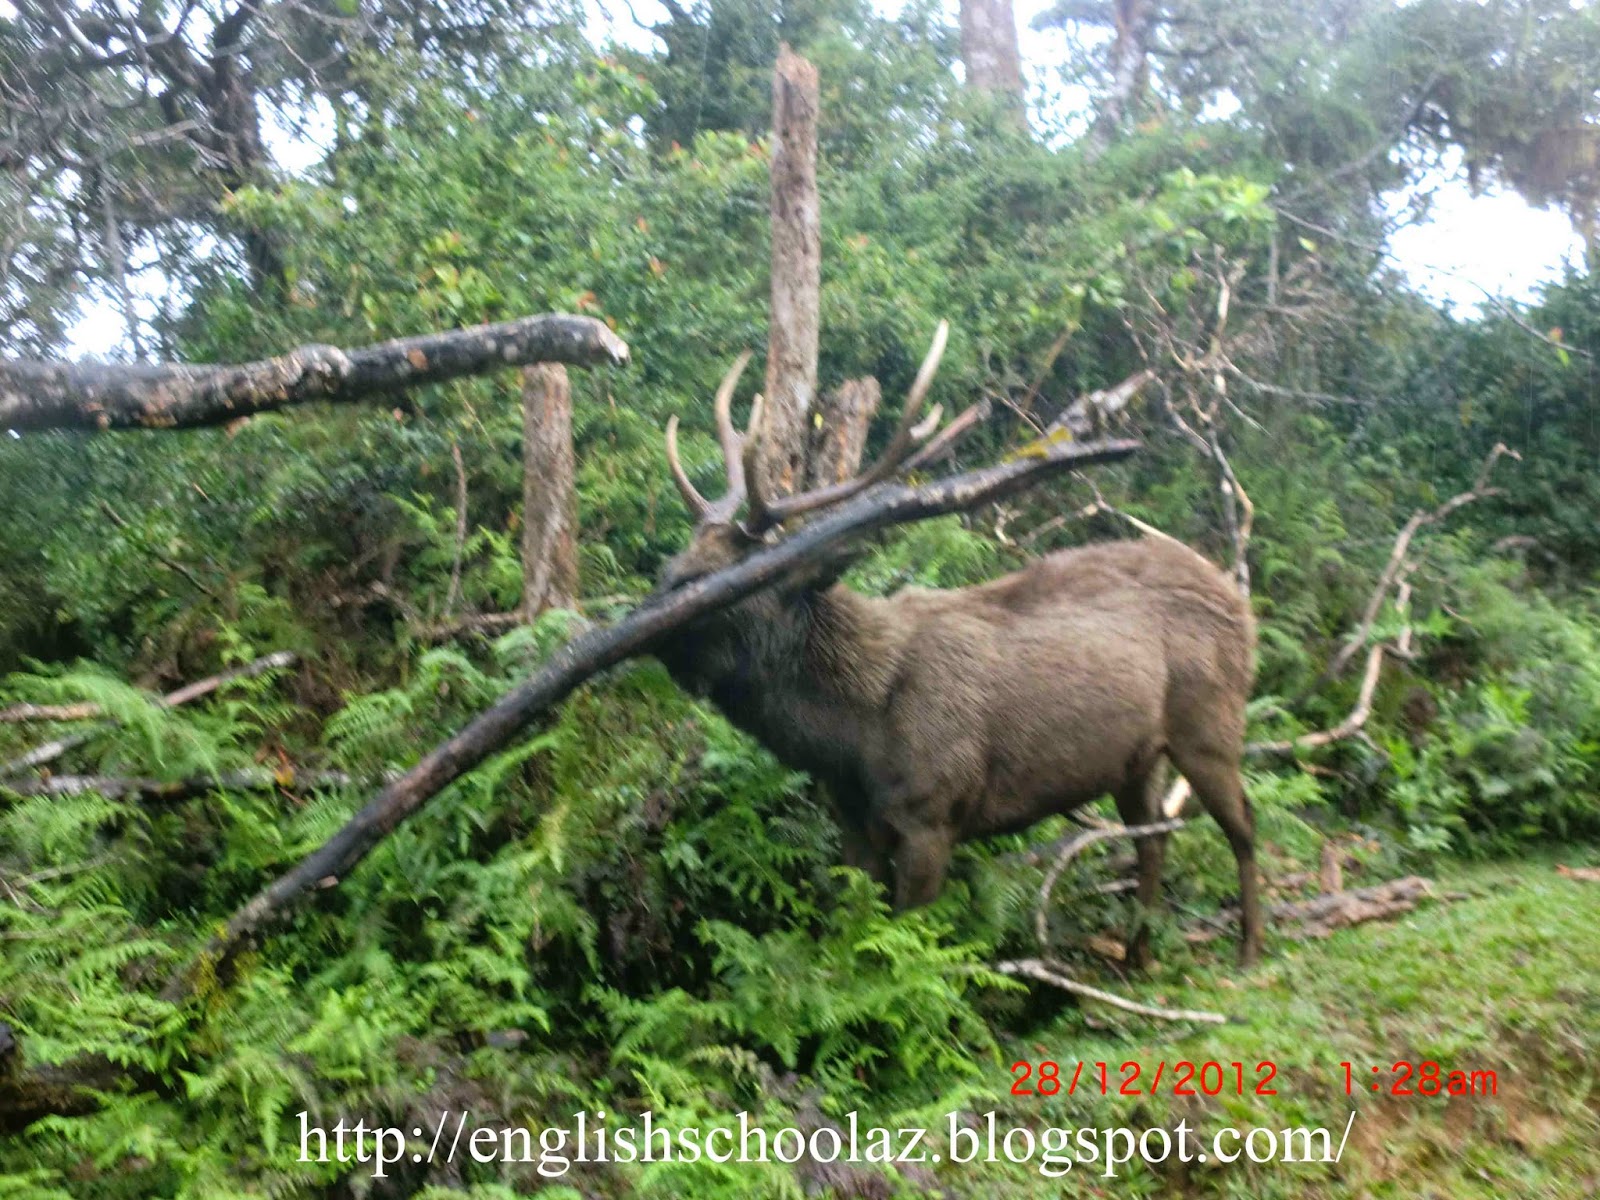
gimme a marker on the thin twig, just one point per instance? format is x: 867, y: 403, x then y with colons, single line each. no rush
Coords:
x: 1077, y: 846
x: 165, y: 560
x: 1094, y: 508
x: 19, y: 714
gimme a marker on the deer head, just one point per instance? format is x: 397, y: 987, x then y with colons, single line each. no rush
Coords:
x: 721, y: 536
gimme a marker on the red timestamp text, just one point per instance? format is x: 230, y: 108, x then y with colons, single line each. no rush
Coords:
x: 1209, y: 1078
x: 1426, y: 1078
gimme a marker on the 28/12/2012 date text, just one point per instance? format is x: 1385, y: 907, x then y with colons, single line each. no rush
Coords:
x: 1210, y: 1078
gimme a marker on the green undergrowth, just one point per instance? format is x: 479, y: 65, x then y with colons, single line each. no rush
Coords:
x: 1506, y: 979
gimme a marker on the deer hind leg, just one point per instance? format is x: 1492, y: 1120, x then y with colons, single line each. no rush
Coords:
x: 1214, y: 775
x: 1139, y: 803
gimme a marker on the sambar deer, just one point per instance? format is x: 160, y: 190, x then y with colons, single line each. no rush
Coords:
x: 935, y: 716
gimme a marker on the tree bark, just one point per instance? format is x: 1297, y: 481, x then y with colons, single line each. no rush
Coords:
x: 549, y: 499
x: 646, y: 627
x: 792, y: 336
x: 839, y: 437
x: 991, y: 55
x: 1130, y: 48
x: 100, y: 396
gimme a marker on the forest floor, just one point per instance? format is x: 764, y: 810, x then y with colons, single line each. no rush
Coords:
x: 1505, y: 980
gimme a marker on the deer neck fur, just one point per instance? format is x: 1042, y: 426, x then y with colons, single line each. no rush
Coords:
x: 808, y: 673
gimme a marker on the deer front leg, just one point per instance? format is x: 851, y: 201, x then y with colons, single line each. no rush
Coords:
x: 864, y: 843
x: 920, y: 861
x: 936, y: 773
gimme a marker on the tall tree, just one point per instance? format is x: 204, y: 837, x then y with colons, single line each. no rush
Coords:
x: 1130, y: 70
x: 793, y: 326
x: 990, y: 52
x: 549, y: 499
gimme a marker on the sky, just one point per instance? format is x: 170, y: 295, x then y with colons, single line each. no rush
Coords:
x: 1495, y: 242
x: 1468, y: 245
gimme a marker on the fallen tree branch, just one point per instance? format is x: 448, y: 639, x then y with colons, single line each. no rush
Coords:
x: 1176, y: 797
x: 100, y: 396
x: 1396, y: 576
x: 1089, y: 414
x: 50, y: 751
x: 492, y: 625
x: 878, y: 508
x: 1054, y: 974
x: 1321, y: 915
x: 1357, y: 719
x: 68, y: 1090
x: 20, y: 714
x: 485, y: 624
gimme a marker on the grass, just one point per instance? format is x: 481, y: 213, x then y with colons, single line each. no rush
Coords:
x: 1507, y: 980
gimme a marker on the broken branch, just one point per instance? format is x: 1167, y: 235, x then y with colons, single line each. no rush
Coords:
x: 1076, y: 846
x: 114, y: 787
x: 1053, y: 974
x: 1357, y: 719
x: 100, y: 396
x: 1397, y: 556
x: 1321, y: 915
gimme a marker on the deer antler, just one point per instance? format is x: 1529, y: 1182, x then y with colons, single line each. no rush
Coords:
x: 909, y: 435
x: 732, y: 459
x: 697, y: 503
x: 741, y: 453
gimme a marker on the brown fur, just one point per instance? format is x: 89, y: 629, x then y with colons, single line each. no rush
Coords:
x: 935, y: 716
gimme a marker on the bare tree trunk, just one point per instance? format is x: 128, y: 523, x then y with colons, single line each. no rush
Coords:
x: 796, y: 275
x: 549, y: 503
x: 990, y: 53
x: 839, y: 437
x: 1129, y: 69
